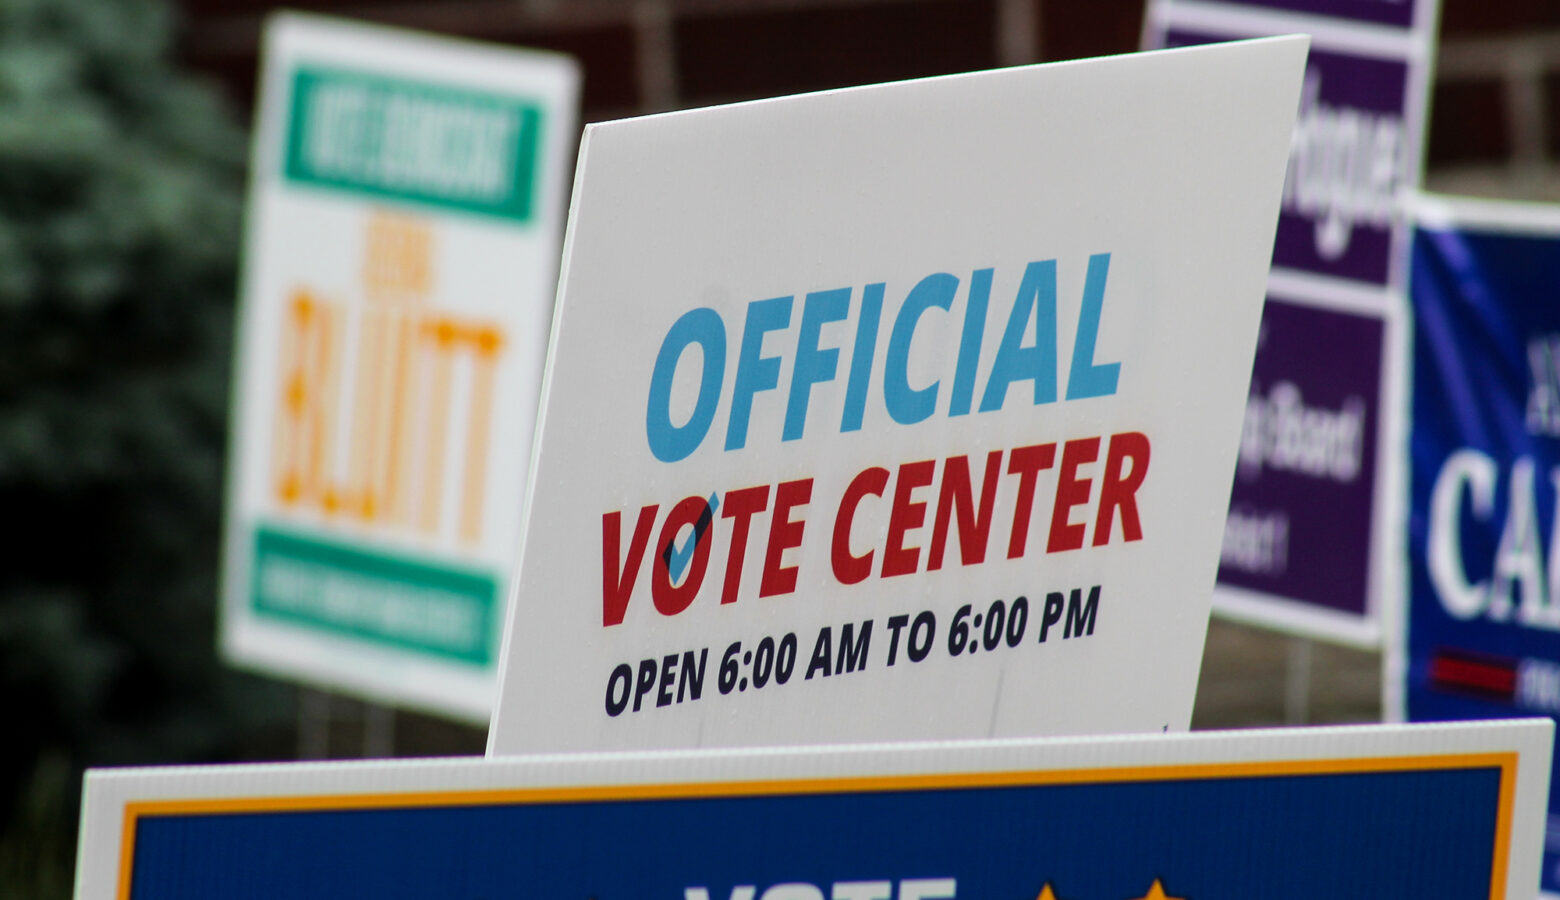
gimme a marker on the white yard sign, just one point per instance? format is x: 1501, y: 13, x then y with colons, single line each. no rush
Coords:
x: 899, y: 412
x: 403, y: 232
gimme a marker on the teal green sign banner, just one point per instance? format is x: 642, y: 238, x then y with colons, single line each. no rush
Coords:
x: 457, y: 149
x: 390, y: 600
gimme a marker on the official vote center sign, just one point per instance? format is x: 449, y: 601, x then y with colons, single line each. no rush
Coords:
x: 898, y: 412
x: 404, y: 218
x: 1348, y: 814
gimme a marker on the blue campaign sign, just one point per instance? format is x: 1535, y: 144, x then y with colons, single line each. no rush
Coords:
x: 1091, y: 840
x: 1275, y: 815
x: 1086, y: 841
x: 1483, y: 626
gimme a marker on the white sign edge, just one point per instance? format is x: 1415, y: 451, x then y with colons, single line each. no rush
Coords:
x: 107, y: 791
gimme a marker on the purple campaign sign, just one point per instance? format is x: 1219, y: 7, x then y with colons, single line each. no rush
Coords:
x: 1300, y: 511
x: 1383, y: 12
x: 1346, y: 163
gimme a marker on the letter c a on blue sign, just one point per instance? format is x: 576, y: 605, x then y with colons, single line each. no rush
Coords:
x: 669, y: 442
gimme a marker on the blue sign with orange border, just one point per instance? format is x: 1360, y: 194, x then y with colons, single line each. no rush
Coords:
x: 1299, y: 829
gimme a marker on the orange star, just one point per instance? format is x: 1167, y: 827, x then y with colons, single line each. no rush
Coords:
x: 1157, y: 892
x: 1046, y: 893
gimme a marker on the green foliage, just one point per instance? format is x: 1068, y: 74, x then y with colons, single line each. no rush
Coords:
x: 120, y: 216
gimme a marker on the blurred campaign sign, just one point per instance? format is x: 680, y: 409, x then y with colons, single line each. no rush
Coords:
x: 1343, y: 813
x: 1310, y: 545
x: 404, y: 222
x: 1482, y: 635
x: 898, y: 412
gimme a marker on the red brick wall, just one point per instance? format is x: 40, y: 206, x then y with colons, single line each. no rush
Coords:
x: 649, y: 55
x: 1472, y: 114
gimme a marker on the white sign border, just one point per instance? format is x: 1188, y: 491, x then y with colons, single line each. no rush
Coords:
x: 109, y: 793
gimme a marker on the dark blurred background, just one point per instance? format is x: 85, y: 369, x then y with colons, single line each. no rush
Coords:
x: 123, y: 142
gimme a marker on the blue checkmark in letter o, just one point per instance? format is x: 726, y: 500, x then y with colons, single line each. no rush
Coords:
x: 669, y: 442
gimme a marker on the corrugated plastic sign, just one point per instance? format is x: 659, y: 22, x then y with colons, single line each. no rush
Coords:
x: 1482, y: 633
x: 1347, y: 814
x: 404, y: 221
x: 898, y: 412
